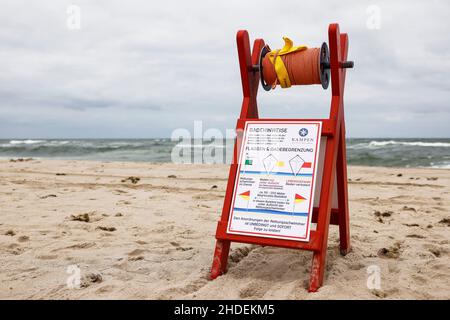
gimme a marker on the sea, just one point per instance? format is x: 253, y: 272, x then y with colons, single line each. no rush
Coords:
x: 428, y: 153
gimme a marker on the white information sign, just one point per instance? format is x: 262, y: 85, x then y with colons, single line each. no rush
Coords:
x: 274, y: 188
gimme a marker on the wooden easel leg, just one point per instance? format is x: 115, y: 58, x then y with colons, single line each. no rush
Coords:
x: 341, y: 171
x: 220, y: 260
x: 323, y: 220
x: 317, y: 270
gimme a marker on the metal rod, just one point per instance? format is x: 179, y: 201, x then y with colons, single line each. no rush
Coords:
x: 343, y: 65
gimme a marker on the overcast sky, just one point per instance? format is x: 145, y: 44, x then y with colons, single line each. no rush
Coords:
x: 144, y: 68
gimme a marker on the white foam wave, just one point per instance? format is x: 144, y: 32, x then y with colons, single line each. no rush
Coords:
x: 378, y: 144
x: 443, y: 165
x: 28, y: 141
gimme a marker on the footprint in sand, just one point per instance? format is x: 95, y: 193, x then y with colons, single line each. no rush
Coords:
x: 179, y: 247
x: 125, y: 202
x: 436, y: 252
x: 253, y: 290
x: 14, y: 249
x: 23, y: 238
x: 83, y: 245
x: 239, y: 253
x: 10, y: 233
x: 47, y: 257
x: 136, y: 252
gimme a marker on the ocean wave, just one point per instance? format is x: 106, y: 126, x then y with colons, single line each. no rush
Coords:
x: 442, y: 165
x: 431, y: 153
x: 28, y: 141
x: 380, y: 144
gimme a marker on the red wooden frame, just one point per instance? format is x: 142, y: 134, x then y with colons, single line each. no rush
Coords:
x: 335, y: 164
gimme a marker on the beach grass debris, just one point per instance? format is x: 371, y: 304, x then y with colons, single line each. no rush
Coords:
x: 379, y: 293
x: 21, y: 160
x: 48, y: 196
x: 393, y: 252
x: 83, y: 217
x: 435, y: 252
x: 132, y: 179
x: 411, y: 224
x: 416, y: 236
x: 90, y: 278
x: 171, y: 176
x: 136, y: 258
x: 109, y: 229
x: 445, y: 221
x: 386, y: 213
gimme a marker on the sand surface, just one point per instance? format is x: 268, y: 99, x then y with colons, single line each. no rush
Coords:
x: 154, y: 239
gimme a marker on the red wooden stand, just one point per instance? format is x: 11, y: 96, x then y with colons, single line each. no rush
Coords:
x: 335, y: 164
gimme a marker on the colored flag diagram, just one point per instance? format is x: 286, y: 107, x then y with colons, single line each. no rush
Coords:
x: 245, y: 195
x: 296, y: 164
x: 270, y: 162
x: 299, y: 198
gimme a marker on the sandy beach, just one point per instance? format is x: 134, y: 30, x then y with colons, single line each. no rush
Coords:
x: 146, y: 231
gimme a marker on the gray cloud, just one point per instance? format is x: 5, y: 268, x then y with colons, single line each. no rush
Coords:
x: 142, y: 69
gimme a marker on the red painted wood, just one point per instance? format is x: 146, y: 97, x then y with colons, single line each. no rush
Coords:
x: 329, y: 171
x: 334, y: 217
x: 334, y: 163
x: 313, y: 244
